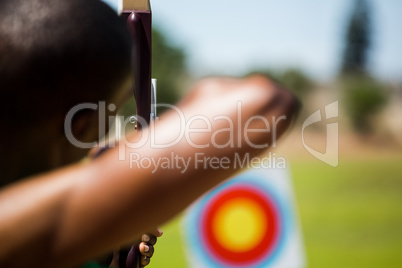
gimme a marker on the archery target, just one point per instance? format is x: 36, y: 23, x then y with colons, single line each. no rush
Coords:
x: 246, y: 222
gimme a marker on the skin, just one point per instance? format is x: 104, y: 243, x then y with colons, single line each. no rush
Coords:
x: 46, y: 149
x: 69, y: 209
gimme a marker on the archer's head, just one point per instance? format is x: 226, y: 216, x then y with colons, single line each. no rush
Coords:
x: 53, y: 56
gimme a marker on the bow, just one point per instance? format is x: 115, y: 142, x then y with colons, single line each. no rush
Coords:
x: 139, y: 21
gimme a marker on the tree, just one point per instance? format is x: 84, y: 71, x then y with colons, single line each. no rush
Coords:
x: 363, y: 98
x: 294, y: 79
x: 168, y: 66
x: 297, y: 81
x: 363, y: 95
x: 357, y: 40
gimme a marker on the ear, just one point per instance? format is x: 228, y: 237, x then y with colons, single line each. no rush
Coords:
x: 85, y: 126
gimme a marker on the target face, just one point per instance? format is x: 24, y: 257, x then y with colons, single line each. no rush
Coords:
x: 243, y: 223
x: 241, y: 226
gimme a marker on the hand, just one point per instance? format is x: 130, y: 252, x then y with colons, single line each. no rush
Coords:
x: 145, y: 248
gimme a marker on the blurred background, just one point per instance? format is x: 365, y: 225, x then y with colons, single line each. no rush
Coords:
x: 324, y: 51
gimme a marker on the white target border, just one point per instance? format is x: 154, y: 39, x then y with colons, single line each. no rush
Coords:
x: 289, y: 252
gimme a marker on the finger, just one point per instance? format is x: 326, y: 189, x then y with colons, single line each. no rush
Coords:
x: 156, y: 232
x: 146, y: 250
x: 149, y: 239
x: 144, y: 261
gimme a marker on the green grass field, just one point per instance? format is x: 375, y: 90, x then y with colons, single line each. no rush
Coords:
x: 351, y: 216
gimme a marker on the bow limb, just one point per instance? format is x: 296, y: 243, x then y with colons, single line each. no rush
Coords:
x: 139, y: 22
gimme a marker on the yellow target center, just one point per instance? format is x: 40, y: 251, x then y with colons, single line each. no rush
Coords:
x: 239, y: 225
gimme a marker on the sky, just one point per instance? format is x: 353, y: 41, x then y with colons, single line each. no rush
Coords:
x: 234, y: 37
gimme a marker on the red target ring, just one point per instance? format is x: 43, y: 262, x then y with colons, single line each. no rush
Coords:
x: 263, y: 246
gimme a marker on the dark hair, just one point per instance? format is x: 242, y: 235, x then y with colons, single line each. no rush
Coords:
x: 55, y: 54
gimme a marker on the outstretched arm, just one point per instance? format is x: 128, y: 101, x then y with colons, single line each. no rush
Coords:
x: 70, y: 215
